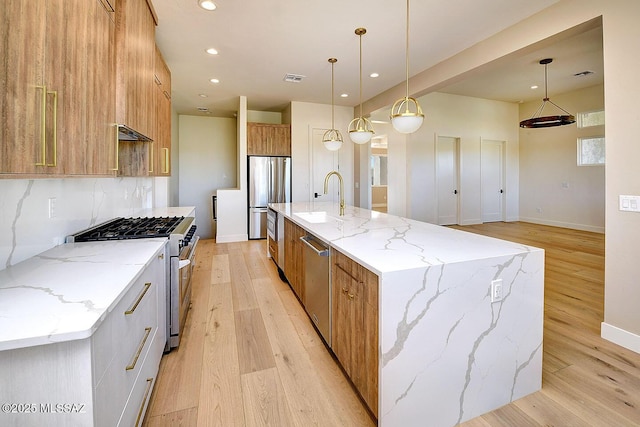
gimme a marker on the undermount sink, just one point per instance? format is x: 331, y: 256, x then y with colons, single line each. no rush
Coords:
x: 316, y: 217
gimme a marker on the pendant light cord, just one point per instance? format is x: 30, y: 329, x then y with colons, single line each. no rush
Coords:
x: 407, y: 50
x: 332, y: 125
x: 360, y: 35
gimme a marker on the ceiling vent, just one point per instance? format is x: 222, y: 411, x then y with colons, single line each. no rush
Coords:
x: 583, y: 73
x: 203, y: 109
x: 293, y: 78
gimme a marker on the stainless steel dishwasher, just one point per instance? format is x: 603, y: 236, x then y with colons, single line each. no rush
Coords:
x: 316, y: 280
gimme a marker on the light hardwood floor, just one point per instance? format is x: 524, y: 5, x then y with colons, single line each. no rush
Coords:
x: 250, y: 356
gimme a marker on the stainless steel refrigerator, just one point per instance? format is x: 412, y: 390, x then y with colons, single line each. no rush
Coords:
x: 269, y: 182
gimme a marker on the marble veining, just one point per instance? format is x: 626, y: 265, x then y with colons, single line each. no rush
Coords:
x: 14, y: 238
x: 64, y: 293
x: 447, y: 353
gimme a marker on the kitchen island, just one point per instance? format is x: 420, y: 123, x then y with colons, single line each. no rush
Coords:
x: 459, y: 316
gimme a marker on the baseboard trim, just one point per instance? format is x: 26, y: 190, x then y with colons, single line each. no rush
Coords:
x: 582, y: 227
x: 232, y: 238
x: 621, y: 337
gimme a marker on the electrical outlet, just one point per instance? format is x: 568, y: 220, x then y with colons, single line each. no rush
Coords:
x: 52, y: 207
x: 496, y: 290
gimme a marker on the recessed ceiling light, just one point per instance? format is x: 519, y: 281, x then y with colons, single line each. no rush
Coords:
x: 534, y: 87
x: 212, y: 51
x: 202, y: 95
x: 214, y: 81
x: 344, y: 95
x: 207, y: 4
x: 374, y: 75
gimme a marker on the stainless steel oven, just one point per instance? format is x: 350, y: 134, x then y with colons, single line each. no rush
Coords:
x: 180, y: 295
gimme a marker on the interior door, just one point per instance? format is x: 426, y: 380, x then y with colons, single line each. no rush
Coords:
x: 323, y: 161
x: 447, y: 179
x: 492, y: 176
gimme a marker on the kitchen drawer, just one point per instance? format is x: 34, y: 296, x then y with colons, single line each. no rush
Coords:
x: 113, y: 391
x: 273, y: 249
x: 138, y: 400
x: 108, y: 339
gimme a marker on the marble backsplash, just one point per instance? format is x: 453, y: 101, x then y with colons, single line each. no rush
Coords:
x: 37, y: 214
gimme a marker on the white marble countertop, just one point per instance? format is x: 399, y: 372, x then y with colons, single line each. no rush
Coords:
x: 65, y: 293
x: 387, y: 243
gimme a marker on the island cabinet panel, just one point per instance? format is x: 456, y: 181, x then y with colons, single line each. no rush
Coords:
x: 57, y: 105
x: 266, y: 139
x: 294, y: 258
x: 355, y: 324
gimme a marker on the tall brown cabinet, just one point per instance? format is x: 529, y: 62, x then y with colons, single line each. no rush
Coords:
x: 58, y: 97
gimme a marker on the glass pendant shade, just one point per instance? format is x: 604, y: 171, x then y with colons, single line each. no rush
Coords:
x: 406, y: 121
x: 360, y: 130
x: 406, y: 114
x: 332, y: 139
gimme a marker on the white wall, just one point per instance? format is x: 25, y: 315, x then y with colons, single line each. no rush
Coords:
x: 232, y: 212
x: 208, y: 162
x: 305, y: 117
x: 622, y: 176
x: 554, y: 190
x: 80, y: 203
x: 470, y: 120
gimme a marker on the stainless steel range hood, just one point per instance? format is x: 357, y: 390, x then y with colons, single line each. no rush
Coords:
x: 125, y: 133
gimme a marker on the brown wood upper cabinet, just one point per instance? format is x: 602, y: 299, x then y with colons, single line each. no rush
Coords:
x: 135, y: 88
x: 266, y: 139
x: 354, y: 332
x: 57, y: 91
x: 294, y: 258
x: 160, y: 148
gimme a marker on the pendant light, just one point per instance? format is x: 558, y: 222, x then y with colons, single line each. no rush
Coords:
x: 406, y: 114
x: 539, y: 121
x: 360, y: 129
x: 332, y: 139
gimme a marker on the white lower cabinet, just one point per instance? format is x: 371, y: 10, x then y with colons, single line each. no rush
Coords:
x: 108, y: 376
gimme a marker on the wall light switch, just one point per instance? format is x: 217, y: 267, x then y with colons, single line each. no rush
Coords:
x: 629, y: 203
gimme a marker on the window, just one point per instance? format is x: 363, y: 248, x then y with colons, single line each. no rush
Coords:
x: 591, y: 151
x: 591, y: 118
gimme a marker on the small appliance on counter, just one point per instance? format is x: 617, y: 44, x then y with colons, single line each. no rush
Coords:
x: 180, y: 231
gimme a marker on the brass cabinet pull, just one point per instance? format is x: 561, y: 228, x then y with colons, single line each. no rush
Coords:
x: 43, y: 126
x: 350, y: 296
x: 345, y: 290
x: 161, y: 256
x: 150, y: 166
x: 144, y: 400
x: 55, y: 127
x: 142, y: 294
x: 132, y: 365
x: 117, y: 141
x: 166, y: 160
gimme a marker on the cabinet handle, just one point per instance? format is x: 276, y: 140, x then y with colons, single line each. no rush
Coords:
x: 117, y: 142
x: 351, y: 296
x: 345, y: 291
x: 150, y: 164
x: 144, y: 400
x: 161, y: 256
x: 43, y: 126
x: 142, y: 294
x: 55, y: 127
x: 166, y: 160
x: 346, y: 272
x: 132, y: 365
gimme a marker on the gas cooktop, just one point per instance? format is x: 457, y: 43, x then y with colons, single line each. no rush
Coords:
x: 129, y: 228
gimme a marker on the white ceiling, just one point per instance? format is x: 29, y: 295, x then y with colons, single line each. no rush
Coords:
x: 260, y: 41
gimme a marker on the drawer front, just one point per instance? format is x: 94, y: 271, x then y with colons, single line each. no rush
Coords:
x: 138, y: 400
x: 107, y: 341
